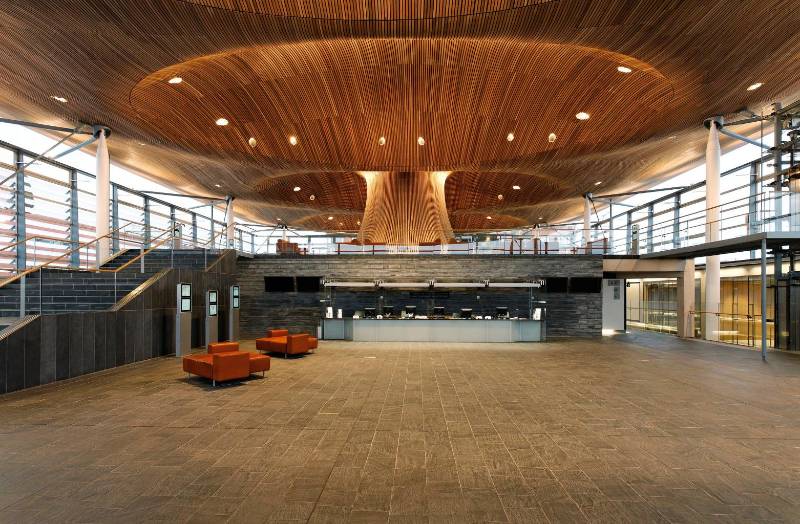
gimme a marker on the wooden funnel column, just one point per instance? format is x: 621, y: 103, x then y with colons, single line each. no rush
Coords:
x: 405, y: 208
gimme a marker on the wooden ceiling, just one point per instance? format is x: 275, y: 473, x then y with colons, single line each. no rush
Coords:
x: 339, y: 75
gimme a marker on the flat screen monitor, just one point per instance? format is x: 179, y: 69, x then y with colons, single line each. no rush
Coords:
x: 466, y: 313
x: 411, y: 310
x: 388, y: 311
x: 369, y: 312
x: 501, y: 312
x: 438, y: 311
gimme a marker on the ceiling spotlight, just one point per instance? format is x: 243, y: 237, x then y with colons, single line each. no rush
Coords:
x: 598, y: 182
x: 755, y: 86
x: 222, y: 121
x: 253, y: 142
x: 540, y: 218
x: 312, y: 197
x: 359, y: 222
x: 217, y: 185
x: 175, y: 80
x: 582, y: 116
x: 330, y: 218
x: 551, y: 137
x: 296, y: 189
x: 488, y: 218
x: 278, y: 219
x: 510, y: 137
x: 382, y: 141
x: 516, y: 188
x: 421, y: 141
x: 499, y: 197
x: 293, y: 140
x: 623, y: 69
x: 59, y: 99
x: 340, y: 224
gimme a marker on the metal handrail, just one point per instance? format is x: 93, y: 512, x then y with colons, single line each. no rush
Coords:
x: 34, y: 237
x: 61, y: 257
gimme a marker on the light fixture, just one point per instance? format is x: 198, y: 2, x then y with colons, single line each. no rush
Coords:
x: 59, y: 99
x: 222, y: 121
x: 624, y: 69
x: 296, y: 189
x: 755, y: 86
x: 340, y: 224
x: 582, y: 116
x: 382, y: 141
x: 217, y: 185
x: 598, y: 182
x: 516, y: 188
x: 540, y: 218
x: 488, y: 218
x: 510, y: 137
x: 421, y: 141
x: 312, y: 197
x: 551, y: 137
x: 359, y: 222
x: 293, y: 140
x: 278, y: 219
x: 499, y: 197
x: 253, y: 142
x: 330, y: 218
x: 175, y: 80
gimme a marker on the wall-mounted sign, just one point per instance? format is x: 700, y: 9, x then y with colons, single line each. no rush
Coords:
x: 235, y: 297
x: 212, y: 303
x: 185, y: 297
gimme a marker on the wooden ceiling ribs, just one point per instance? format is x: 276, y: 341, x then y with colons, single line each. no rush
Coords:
x: 340, y: 74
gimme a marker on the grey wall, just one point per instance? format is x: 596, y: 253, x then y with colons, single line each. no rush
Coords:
x: 51, y: 347
x: 568, y: 314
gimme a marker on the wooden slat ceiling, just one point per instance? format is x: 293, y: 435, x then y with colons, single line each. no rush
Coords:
x: 339, y: 75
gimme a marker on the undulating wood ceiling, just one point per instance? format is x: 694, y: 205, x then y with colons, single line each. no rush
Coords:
x: 342, y: 74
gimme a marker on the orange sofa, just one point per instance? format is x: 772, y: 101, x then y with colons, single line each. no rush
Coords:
x: 224, y: 362
x: 280, y: 341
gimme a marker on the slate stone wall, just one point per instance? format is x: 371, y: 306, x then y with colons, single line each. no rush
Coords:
x: 568, y: 314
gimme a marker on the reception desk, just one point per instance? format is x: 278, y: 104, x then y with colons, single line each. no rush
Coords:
x: 433, y: 330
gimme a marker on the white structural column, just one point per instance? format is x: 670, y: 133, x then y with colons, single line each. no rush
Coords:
x: 794, y: 203
x: 102, y: 197
x: 686, y: 307
x: 230, y: 224
x: 712, y: 231
x: 587, y: 233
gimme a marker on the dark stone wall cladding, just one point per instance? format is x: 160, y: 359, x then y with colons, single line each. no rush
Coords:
x: 578, y: 315
x: 42, y: 349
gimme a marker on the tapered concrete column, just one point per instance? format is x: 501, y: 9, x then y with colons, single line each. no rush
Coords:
x: 686, y: 305
x: 712, y: 230
x: 102, y: 196
x: 587, y: 223
x: 230, y: 224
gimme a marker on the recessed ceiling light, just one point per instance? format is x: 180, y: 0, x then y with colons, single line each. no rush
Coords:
x: 278, y: 219
x: 541, y: 218
x: 59, y: 99
x: 582, y: 116
x: 755, y: 86
x: 488, y: 218
x: 421, y: 141
x: 673, y: 137
x: 312, y: 197
x: 296, y: 189
x: 382, y: 141
x: 330, y: 218
x: 142, y: 143
x: 217, y: 185
x: 624, y: 69
x: 293, y: 140
x: 510, y: 137
x: 551, y: 138
x: 499, y: 197
x: 359, y: 222
x: 175, y: 80
x: 340, y: 223
x: 222, y: 121
x: 516, y: 188
x: 253, y: 142
x: 598, y: 182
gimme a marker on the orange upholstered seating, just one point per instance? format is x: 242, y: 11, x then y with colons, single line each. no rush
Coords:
x: 280, y: 341
x: 224, y: 362
x: 218, y: 367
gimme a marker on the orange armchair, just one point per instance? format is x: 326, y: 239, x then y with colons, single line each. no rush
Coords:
x: 218, y: 366
x: 257, y: 362
x: 280, y: 341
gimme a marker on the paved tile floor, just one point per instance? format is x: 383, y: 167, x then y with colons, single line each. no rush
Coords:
x: 637, y: 428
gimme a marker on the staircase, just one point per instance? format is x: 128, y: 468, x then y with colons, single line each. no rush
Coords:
x: 65, y: 291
